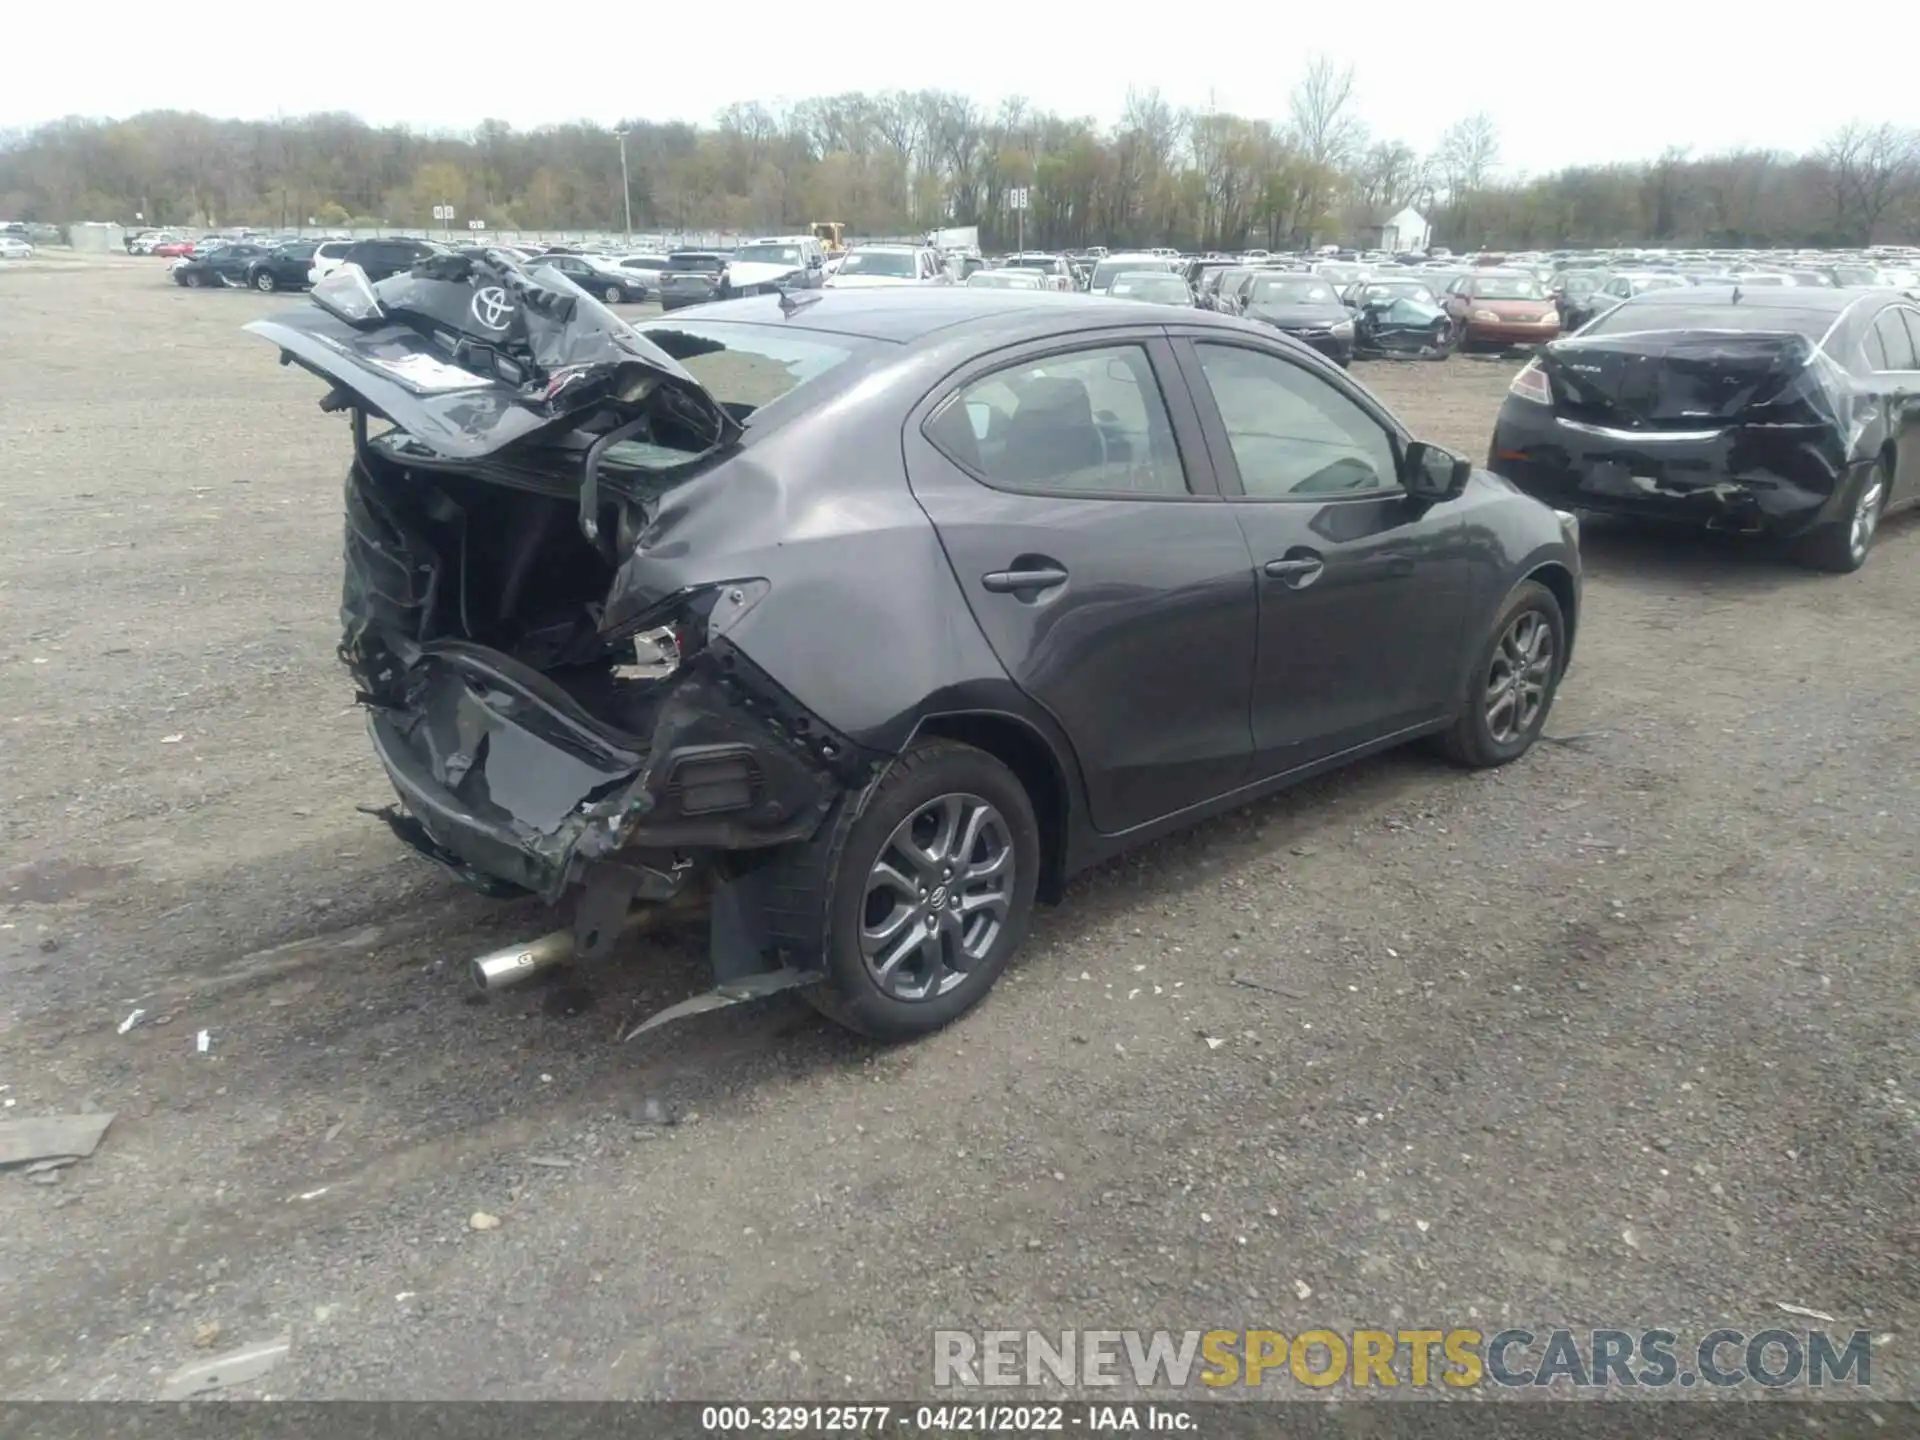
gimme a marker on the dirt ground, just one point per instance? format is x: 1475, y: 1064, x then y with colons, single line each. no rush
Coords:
x: 1624, y: 1035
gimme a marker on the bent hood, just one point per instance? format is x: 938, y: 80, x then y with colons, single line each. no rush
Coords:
x: 742, y: 273
x: 470, y: 356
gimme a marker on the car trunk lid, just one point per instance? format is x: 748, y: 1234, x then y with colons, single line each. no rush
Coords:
x: 1686, y: 380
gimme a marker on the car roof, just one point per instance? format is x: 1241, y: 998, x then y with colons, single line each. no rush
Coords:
x: 1831, y: 300
x: 905, y: 315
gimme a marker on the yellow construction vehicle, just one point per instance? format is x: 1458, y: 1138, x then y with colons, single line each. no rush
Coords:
x: 828, y: 233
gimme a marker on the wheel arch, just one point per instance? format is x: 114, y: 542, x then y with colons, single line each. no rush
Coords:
x: 1027, y: 753
x: 1560, y: 583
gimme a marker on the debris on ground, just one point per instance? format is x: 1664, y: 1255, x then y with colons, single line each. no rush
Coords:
x: 205, y: 1335
x: 52, y: 1137
x: 1803, y: 1312
x: 656, y: 1112
x: 131, y: 1021
x: 481, y: 1220
x: 550, y: 1162
x: 220, y: 1372
x: 203, y: 1042
x: 47, y: 1167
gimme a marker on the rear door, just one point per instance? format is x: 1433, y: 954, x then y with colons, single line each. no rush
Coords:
x: 1362, y: 589
x: 1898, y: 327
x: 1072, y: 494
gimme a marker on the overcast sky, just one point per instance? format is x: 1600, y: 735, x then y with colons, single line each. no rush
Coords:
x: 1685, y: 75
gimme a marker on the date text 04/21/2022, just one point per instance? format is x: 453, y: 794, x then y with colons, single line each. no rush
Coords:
x: 944, y: 1419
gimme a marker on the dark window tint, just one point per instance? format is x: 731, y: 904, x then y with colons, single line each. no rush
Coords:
x: 1895, y: 341
x: 1089, y: 421
x: 1292, y: 433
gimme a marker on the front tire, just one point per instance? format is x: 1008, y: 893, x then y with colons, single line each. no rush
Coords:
x: 1841, y: 547
x: 191, y: 281
x: 928, y: 894
x: 1512, y: 685
x: 612, y: 294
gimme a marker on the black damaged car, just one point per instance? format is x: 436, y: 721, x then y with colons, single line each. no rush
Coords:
x: 1399, y: 318
x: 1306, y: 307
x: 1792, y: 412
x: 871, y: 617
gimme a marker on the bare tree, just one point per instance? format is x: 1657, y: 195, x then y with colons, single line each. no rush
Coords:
x: 1870, y: 169
x: 1326, y: 128
x: 1468, y: 152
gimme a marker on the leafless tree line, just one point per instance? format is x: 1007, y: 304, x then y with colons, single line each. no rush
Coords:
x: 898, y: 162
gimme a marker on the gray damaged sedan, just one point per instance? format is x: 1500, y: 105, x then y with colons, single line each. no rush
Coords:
x: 865, y: 619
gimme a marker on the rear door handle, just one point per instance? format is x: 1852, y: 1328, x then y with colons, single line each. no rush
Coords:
x: 1007, y: 582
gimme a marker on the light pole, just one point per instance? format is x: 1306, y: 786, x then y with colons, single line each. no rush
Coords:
x: 626, y: 190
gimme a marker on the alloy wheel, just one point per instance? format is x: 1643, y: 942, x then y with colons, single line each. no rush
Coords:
x: 1517, y: 680
x: 1866, y: 516
x: 263, y: 282
x: 937, y: 897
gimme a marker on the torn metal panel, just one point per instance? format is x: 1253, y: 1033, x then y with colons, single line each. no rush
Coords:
x: 223, y: 1372
x: 754, y: 987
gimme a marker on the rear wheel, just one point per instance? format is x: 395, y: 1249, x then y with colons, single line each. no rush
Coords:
x: 929, y: 894
x: 612, y: 294
x: 1841, y: 546
x: 264, y: 282
x: 1513, y: 682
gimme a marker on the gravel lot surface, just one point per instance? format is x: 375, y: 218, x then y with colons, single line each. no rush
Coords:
x: 1623, y: 1035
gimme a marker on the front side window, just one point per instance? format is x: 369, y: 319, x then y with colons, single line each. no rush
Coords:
x: 1894, y: 340
x: 1293, y: 434
x: 1088, y: 422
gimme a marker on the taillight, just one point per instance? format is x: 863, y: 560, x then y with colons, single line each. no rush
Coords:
x: 1531, y: 384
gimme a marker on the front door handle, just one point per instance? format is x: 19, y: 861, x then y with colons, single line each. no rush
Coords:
x: 1008, y: 582
x: 1301, y: 570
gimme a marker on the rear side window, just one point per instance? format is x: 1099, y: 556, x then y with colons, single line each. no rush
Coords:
x: 1912, y: 321
x: 1088, y: 422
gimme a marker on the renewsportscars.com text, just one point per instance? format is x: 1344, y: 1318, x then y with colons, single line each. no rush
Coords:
x: 1445, y: 1358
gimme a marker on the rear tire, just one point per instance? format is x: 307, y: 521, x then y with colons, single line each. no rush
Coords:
x: 264, y: 282
x: 1511, y: 687
x: 1841, y: 547
x: 971, y: 823
x: 612, y: 294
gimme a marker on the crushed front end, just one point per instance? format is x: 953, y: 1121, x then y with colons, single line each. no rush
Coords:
x: 550, y: 724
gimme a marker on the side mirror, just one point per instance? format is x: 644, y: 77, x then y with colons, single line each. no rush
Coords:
x: 1432, y: 474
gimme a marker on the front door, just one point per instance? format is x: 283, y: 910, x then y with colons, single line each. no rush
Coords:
x: 1363, y: 589
x: 1112, y: 583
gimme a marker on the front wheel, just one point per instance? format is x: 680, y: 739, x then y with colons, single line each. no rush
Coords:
x: 929, y: 894
x: 1515, y: 676
x: 611, y: 294
x: 190, y: 280
x: 264, y: 282
x: 1840, y: 547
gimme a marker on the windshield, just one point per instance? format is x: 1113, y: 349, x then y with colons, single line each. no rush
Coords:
x: 1290, y: 290
x: 747, y: 366
x: 1002, y: 280
x: 696, y: 261
x: 1031, y: 262
x: 1507, y: 287
x: 1657, y: 282
x: 1633, y: 319
x: 1168, y: 289
x: 897, y: 263
x: 1341, y: 274
x: 1855, y: 275
x: 767, y: 255
x: 1104, y: 272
